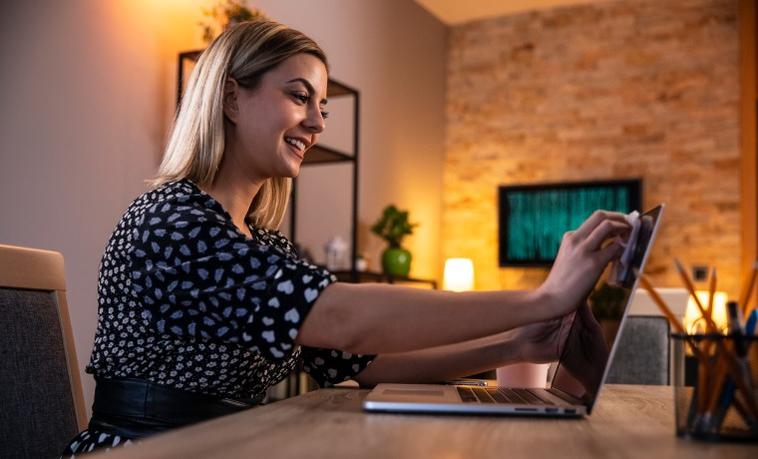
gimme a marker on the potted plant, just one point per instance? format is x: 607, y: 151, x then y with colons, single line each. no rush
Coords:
x: 225, y: 14
x: 393, y: 226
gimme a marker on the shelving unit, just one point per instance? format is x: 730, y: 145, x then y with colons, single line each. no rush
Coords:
x: 370, y: 276
x: 298, y: 382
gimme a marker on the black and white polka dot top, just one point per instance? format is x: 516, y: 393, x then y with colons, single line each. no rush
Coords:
x: 188, y: 301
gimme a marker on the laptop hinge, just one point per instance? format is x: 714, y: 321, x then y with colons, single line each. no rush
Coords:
x: 566, y: 396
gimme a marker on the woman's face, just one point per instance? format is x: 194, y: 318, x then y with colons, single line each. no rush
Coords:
x: 271, y: 126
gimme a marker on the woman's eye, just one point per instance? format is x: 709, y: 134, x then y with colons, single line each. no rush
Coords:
x: 303, y: 98
x: 324, y: 115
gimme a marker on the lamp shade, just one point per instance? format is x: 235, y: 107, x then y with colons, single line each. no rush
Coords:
x: 693, y: 322
x: 459, y: 274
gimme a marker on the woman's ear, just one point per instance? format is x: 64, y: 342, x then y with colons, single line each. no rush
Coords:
x: 231, y: 95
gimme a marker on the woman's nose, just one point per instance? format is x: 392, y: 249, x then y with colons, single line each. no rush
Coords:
x: 315, y: 120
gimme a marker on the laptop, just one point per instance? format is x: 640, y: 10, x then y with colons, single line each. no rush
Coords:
x: 580, y: 372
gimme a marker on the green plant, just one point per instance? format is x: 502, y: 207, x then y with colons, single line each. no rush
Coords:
x: 224, y: 14
x: 393, y: 225
x: 606, y: 302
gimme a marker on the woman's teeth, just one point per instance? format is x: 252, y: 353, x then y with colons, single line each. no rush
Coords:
x: 299, y: 144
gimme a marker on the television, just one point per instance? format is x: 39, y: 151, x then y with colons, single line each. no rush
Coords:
x: 533, y: 218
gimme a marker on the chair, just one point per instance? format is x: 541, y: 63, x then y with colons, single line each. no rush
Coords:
x: 642, y: 354
x: 41, y: 397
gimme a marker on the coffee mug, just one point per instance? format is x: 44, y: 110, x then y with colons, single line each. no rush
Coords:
x: 523, y: 375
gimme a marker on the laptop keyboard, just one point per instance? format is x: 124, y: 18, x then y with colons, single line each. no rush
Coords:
x: 500, y: 395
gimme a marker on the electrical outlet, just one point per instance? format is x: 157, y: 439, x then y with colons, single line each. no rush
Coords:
x: 700, y: 273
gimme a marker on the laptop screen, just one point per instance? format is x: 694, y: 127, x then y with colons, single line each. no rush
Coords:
x: 594, y: 332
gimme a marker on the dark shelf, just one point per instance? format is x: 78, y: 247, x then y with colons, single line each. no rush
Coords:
x: 320, y: 154
x: 336, y: 88
x: 371, y: 276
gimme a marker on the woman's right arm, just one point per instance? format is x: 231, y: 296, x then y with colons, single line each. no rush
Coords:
x: 380, y: 318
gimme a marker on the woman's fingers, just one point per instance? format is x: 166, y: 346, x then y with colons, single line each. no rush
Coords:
x: 598, y: 217
x: 605, y: 230
x: 581, y: 258
x: 610, y: 252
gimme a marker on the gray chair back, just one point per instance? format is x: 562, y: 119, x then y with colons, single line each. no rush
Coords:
x: 41, y: 397
x: 642, y: 354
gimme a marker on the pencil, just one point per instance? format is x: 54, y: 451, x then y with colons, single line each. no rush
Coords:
x: 688, y: 283
x: 711, y: 293
x: 662, y: 305
x: 711, y: 306
x: 675, y: 324
x: 731, y: 359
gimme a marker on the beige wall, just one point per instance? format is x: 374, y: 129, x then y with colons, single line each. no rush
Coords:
x: 623, y: 89
x: 86, y: 93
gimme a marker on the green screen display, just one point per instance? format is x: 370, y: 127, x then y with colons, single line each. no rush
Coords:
x: 533, y: 218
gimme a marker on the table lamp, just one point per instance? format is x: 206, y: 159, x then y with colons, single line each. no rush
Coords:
x: 459, y: 275
x: 693, y: 322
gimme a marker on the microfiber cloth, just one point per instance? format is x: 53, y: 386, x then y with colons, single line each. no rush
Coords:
x: 623, y: 264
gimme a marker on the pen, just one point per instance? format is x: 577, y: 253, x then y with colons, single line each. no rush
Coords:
x: 733, y: 366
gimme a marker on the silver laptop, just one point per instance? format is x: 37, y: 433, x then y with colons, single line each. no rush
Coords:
x: 576, y: 382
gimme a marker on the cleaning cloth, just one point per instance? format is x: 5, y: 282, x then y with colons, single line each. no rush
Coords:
x: 621, y: 267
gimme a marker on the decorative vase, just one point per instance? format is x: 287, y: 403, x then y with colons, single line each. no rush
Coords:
x: 396, y: 261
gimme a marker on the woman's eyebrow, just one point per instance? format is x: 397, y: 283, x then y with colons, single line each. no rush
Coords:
x: 309, y: 87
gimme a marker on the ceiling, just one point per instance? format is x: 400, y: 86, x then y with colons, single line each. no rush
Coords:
x: 453, y: 12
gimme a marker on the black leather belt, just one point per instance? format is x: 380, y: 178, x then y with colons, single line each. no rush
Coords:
x: 136, y: 408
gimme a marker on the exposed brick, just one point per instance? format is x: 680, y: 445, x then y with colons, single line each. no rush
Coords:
x: 608, y: 90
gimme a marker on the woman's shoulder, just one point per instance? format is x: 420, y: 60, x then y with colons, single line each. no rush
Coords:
x: 274, y: 237
x: 177, y: 198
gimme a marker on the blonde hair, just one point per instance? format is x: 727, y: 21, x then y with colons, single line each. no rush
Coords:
x: 244, y: 52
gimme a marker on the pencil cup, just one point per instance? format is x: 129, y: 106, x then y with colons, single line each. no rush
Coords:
x: 721, y: 403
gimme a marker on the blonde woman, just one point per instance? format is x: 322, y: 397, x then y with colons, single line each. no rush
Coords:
x: 203, y: 304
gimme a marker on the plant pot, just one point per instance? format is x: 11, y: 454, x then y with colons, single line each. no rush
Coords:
x: 396, y: 261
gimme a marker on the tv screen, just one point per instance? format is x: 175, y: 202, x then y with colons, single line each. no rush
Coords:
x: 533, y: 218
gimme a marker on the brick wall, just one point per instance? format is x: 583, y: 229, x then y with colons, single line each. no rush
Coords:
x: 621, y: 89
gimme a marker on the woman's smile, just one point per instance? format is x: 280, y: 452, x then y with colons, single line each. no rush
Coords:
x: 274, y: 123
x: 298, y: 146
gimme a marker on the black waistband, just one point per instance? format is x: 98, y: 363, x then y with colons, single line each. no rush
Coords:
x: 135, y: 408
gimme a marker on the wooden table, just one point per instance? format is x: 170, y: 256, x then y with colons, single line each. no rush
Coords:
x: 628, y: 422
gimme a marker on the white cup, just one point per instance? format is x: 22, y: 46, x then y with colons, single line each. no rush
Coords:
x: 523, y: 375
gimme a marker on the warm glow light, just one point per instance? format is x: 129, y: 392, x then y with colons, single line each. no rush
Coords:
x: 459, y: 274
x: 693, y: 322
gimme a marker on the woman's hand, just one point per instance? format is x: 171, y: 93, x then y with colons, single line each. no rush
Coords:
x: 583, y: 255
x: 586, y: 350
x: 541, y: 342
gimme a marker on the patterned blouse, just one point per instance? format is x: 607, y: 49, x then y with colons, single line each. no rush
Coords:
x: 188, y: 301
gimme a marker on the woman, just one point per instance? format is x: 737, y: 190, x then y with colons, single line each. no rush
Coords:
x: 203, y: 304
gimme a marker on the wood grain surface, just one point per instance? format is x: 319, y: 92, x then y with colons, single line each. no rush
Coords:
x: 628, y: 422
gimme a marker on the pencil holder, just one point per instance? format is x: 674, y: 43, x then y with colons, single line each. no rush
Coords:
x: 723, y: 402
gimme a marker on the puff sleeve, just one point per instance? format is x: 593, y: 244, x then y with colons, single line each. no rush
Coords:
x: 197, y: 276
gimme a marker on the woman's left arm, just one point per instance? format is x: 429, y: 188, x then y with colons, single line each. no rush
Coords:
x: 538, y: 342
